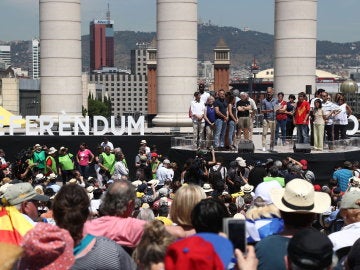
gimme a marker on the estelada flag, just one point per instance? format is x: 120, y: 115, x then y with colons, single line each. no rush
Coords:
x: 13, y: 225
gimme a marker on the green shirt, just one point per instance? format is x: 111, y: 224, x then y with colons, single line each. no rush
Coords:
x: 39, y: 158
x: 281, y: 180
x: 66, y: 163
x: 53, y: 165
x: 108, y: 161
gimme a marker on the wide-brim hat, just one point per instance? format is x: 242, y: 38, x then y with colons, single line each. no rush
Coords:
x: 247, y: 188
x: 299, y: 196
x: 241, y: 162
x: 52, y: 150
x: 207, y: 188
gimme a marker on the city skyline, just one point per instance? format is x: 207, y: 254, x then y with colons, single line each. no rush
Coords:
x: 337, y: 19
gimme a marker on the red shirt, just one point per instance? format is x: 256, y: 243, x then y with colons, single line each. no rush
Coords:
x: 281, y: 116
x: 301, y: 112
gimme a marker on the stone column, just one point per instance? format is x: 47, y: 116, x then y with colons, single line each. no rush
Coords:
x: 295, y: 45
x: 176, y: 60
x: 60, y: 57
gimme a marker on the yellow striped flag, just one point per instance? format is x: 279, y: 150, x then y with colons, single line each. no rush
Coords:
x: 13, y: 225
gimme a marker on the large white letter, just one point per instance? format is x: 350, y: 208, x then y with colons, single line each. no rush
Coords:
x: 83, y: 126
x: 46, y: 123
x: 105, y: 122
x: 31, y: 122
x: 13, y: 125
x: 138, y: 126
x: 64, y: 124
x: 356, y: 125
x: 117, y: 131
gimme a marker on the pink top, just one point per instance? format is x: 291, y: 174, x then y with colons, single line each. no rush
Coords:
x: 124, y: 231
x: 84, y: 157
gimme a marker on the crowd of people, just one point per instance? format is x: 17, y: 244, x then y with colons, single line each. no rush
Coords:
x: 56, y: 214
x: 223, y: 120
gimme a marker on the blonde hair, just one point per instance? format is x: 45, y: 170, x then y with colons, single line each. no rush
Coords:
x: 185, y: 200
x: 153, y: 245
x: 262, y: 210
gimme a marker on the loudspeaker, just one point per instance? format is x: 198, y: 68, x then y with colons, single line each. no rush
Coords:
x: 308, y: 88
x: 302, y: 148
x: 246, y: 147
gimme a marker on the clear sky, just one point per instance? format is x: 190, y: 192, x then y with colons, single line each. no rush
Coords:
x: 338, y: 20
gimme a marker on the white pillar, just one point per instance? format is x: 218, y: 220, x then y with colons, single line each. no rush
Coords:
x: 176, y: 60
x: 60, y: 57
x: 295, y: 45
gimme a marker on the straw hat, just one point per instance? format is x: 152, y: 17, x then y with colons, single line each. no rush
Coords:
x: 299, y: 196
x: 247, y: 188
x: 207, y: 188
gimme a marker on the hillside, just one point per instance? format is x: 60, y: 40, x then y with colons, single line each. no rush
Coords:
x: 244, y: 45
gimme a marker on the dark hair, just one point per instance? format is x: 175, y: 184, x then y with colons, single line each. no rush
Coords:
x: 319, y: 91
x: 163, y: 210
x: 97, y: 193
x: 71, y: 210
x: 297, y: 220
x: 280, y: 93
x: 274, y: 171
x: 302, y: 94
x: 292, y: 96
x: 208, y: 214
x: 319, y: 102
x: 117, y: 198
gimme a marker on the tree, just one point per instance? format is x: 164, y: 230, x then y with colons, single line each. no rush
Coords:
x: 97, y: 107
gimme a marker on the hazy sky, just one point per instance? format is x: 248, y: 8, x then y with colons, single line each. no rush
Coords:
x: 338, y: 20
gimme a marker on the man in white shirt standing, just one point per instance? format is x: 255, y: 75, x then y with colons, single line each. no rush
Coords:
x: 203, y: 95
x: 330, y: 110
x: 197, y: 112
x: 253, y: 113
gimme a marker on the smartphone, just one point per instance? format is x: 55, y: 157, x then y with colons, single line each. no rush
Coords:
x: 235, y: 229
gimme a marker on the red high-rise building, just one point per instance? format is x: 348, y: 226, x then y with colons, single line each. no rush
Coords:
x: 101, y: 44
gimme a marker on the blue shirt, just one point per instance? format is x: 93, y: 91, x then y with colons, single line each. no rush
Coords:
x: 210, y: 114
x: 222, y: 104
x: 342, y: 176
x: 269, y: 105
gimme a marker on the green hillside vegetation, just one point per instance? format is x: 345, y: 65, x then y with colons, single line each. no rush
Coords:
x: 244, y: 45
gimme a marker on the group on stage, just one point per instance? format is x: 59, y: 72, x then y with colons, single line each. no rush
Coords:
x: 224, y: 119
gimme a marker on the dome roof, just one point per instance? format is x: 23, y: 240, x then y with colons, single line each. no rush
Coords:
x: 349, y: 86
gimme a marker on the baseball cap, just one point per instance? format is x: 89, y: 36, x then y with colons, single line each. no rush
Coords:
x: 21, y: 192
x: 304, y: 164
x: 350, y: 200
x: 193, y: 252
x: 310, y: 249
x: 166, y: 161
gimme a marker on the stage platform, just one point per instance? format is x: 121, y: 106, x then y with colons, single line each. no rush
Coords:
x: 322, y: 163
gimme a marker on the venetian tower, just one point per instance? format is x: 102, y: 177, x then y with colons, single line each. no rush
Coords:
x: 221, y: 66
x: 60, y: 57
x: 295, y: 45
x: 176, y: 60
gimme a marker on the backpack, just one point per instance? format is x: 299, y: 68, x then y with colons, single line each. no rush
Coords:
x: 216, y: 174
